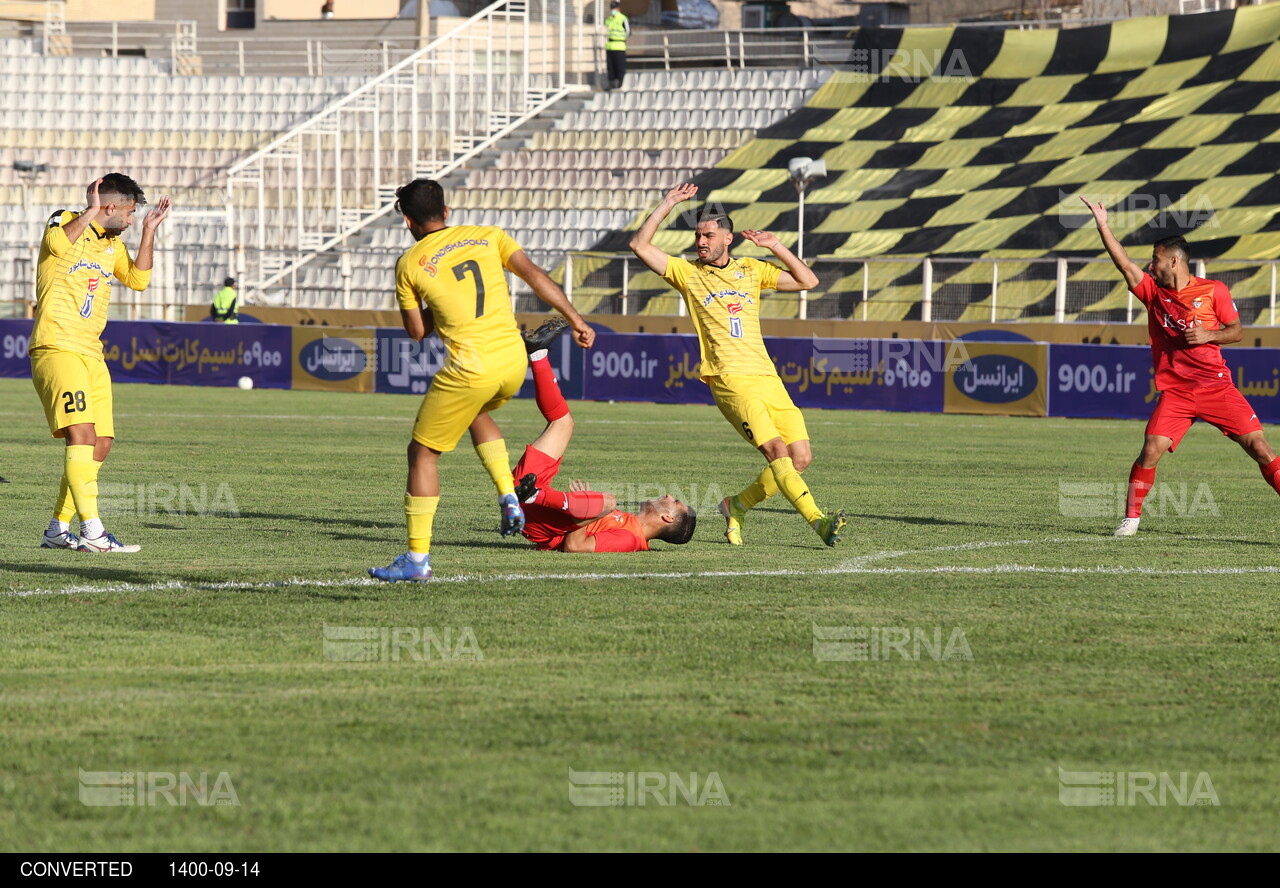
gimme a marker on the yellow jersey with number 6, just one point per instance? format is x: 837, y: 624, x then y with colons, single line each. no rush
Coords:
x: 459, y: 273
x: 73, y: 286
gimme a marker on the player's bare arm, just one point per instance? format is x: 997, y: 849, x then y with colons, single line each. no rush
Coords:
x: 578, y: 541
x: 798, y: 276
x: 642, y: 243
x: 549, y: 292
x: 146, y: 247
x: 1224, y: 335
x: 418, y: 323
x: 1131, y: 270
x: 77, y: 226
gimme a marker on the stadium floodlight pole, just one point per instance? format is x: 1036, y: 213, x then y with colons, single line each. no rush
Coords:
x: 804, y: 172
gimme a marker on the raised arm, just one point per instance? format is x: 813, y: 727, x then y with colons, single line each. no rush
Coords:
x: 642, y: 243
x: 1131, y: 270
x: 549, y: 292
x: 80, y: 224
x: 146, y: 247
x: 798, y: 276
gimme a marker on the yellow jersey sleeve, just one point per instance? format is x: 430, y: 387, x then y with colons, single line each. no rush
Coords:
x: 768, y: 274
x: 678, y: 274
x: 406, y: 295
x: 507, y: 246
x: 126, y: 272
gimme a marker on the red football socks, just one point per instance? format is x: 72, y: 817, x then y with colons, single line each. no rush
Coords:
x: 576, y: 504
x: 1271, y: 473
x: 1140, y: 483
x: 547, y: 391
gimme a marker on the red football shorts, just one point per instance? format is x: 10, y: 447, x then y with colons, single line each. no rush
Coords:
x: 544, y: 527
x: 1222, y: 406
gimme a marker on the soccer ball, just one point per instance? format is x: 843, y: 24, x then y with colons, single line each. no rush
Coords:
x: 245, y: 383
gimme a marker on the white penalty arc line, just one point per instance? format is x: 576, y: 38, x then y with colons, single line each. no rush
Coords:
x: 859, y: 566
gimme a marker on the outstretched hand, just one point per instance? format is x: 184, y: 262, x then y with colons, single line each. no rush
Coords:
x: 681, y: 193
x: 1098, y: 210
x: 765, y: 239
x: 158, y: 213
x: 576, y: 486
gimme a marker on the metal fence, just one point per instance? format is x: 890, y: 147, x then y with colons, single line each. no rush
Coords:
x: 931, y: 289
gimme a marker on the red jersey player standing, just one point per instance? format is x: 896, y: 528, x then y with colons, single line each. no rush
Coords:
x: 579, y: 519
x: 1189, y: 319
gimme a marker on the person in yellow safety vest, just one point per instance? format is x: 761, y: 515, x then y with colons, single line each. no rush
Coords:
x: 223, y: 309
x: 618, y: 27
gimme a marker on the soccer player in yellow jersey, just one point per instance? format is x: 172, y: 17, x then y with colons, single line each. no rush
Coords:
x: 80, y: 255
x: 452, y: 281
x: 723, y: 297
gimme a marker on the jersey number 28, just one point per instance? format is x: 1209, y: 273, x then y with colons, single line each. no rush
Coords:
x: 471, y: 267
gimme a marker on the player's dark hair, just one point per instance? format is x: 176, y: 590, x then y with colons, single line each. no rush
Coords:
x: 681, y: 530
x: 422, y: 200
x: 1175, y: 243
x: 721, y: 219
x: 119, y: 183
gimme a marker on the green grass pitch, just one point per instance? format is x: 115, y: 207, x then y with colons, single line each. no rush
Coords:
x: 1156, y: 655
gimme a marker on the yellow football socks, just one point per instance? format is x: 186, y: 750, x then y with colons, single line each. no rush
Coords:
x: 494, y: 456
x: 758, y: 491
x: 65, y: 508
x: 82, y: 479
x: 420, y: 514
x: 794, y: 489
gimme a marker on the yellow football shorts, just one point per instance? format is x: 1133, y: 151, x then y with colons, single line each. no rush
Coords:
x: 759, y: 408
x: 73, y: 388
x: 457, y: 397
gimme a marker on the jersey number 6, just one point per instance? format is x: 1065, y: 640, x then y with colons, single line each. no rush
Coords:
x: 461, y: 270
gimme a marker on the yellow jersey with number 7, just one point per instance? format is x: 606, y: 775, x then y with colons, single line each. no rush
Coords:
x: 459, y: 273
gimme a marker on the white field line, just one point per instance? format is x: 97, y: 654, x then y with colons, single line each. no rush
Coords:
x: 859, y: 566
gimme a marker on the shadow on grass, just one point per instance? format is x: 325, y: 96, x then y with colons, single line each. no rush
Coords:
x: 311, y: 520
x: 97, y: 574
x: 916, y: 519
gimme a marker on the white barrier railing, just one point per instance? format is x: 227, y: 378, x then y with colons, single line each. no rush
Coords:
x: 880, y: 288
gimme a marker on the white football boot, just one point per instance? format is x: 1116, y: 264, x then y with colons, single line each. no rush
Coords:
x: 105, y: 543
x: 1128, y: 527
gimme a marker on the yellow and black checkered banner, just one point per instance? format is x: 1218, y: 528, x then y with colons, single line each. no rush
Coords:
x: 1001, y: 378
x: 979, y: 142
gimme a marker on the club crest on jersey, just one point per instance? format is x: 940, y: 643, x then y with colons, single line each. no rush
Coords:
x: 740, y: 275
x: 1196, y: 303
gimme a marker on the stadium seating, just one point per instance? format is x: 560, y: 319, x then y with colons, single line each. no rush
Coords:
x: 603, y: 163
x: 961, y: 142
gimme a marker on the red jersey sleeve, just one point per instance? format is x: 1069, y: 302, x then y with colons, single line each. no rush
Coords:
x: 619, y: 539
x: 1145, y: 290
x: 1223, y: 305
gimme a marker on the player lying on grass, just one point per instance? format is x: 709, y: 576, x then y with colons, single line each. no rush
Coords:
x: 579, y: 519
x: 723, y: 297
x: 453, y: 281
x: 1188, y: 319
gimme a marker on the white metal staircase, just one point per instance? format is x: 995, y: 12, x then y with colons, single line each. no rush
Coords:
x: 307, y: 190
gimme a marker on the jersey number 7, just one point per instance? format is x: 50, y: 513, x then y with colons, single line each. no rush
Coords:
x: 461, y: 270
